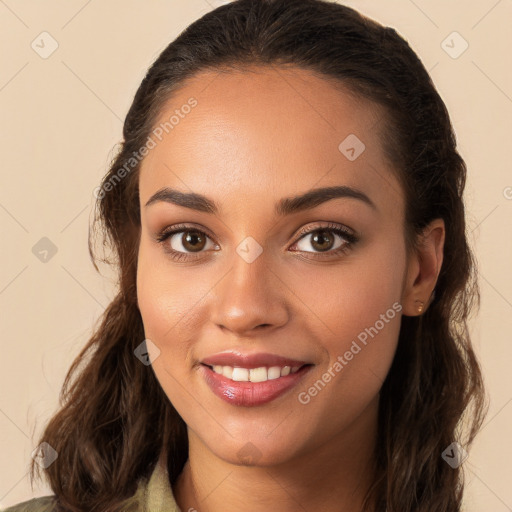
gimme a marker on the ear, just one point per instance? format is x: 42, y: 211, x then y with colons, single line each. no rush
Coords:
x: 423, y: 269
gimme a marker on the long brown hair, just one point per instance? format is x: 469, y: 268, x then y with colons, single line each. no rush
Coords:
x: 115, y: 418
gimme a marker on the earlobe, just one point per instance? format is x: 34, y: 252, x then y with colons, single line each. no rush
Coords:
x: 424, y: 269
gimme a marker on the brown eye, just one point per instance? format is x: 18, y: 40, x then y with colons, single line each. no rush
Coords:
x: 188, y: 241
x: 182, y: 241
x: 322, y: 240
x: 193, y: 241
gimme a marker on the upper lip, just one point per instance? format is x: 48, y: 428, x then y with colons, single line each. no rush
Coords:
x: 249, y: 361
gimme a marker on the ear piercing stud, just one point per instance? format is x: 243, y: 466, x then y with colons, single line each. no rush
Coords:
x: 419, y: 306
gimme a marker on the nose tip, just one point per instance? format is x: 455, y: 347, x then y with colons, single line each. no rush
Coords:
x: 248, y: 300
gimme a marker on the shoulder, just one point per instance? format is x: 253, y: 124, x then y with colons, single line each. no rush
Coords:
x: 43, y: 504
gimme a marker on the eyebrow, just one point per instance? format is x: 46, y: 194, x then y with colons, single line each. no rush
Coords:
x: 285, y: 206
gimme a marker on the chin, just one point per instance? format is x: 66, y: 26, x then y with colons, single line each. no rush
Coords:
x: 254, y: 450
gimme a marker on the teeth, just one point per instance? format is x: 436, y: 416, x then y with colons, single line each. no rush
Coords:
x: 227, y: 371
x: 258, y: 375
x: 274, y: 372
x: 240, y: 374
x: 261, y: 374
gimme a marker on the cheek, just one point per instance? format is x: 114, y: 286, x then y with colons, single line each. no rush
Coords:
x: 350, y: 296
x: 162, y: 299
x: 357, y: 304
x: 166, y: 293
x: 160, y: 311
x: 171, y: 302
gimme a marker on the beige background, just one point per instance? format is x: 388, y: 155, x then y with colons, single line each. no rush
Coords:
x: 61, y: 117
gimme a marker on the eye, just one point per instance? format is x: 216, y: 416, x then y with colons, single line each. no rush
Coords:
x: 190, y: 240
x: 323, y: 240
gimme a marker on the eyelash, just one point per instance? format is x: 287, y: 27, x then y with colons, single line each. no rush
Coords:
x: 348, y: 236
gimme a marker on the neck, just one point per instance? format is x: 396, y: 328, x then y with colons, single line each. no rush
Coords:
x: 333, y: 476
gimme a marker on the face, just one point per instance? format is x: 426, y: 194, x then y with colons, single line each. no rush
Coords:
x: 266, y: 281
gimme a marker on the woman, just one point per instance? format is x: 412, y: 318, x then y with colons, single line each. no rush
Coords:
x: 294, y: 282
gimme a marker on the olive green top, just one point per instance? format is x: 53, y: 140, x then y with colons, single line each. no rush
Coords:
x: 153, y: 495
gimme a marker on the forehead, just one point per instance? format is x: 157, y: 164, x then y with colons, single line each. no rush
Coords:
x: 267, y: 130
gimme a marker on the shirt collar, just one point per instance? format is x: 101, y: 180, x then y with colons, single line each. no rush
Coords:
x: 155, y: 494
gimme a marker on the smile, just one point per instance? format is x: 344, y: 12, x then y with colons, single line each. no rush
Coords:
x: 260, y: 374
x: 249, y: 387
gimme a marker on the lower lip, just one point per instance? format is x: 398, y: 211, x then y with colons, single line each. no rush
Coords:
x: 250, y: 394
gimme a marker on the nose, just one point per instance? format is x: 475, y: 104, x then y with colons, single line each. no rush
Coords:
x: 250, y: 297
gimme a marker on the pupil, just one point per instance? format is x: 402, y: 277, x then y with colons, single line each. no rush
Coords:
x: 191, y: 241
x: 322, y: 236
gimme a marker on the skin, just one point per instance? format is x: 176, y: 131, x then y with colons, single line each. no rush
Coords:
x: 257, y: 136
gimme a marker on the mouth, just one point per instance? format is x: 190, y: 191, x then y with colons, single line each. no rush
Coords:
x: 260, y: 374
x: 249, y: 387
